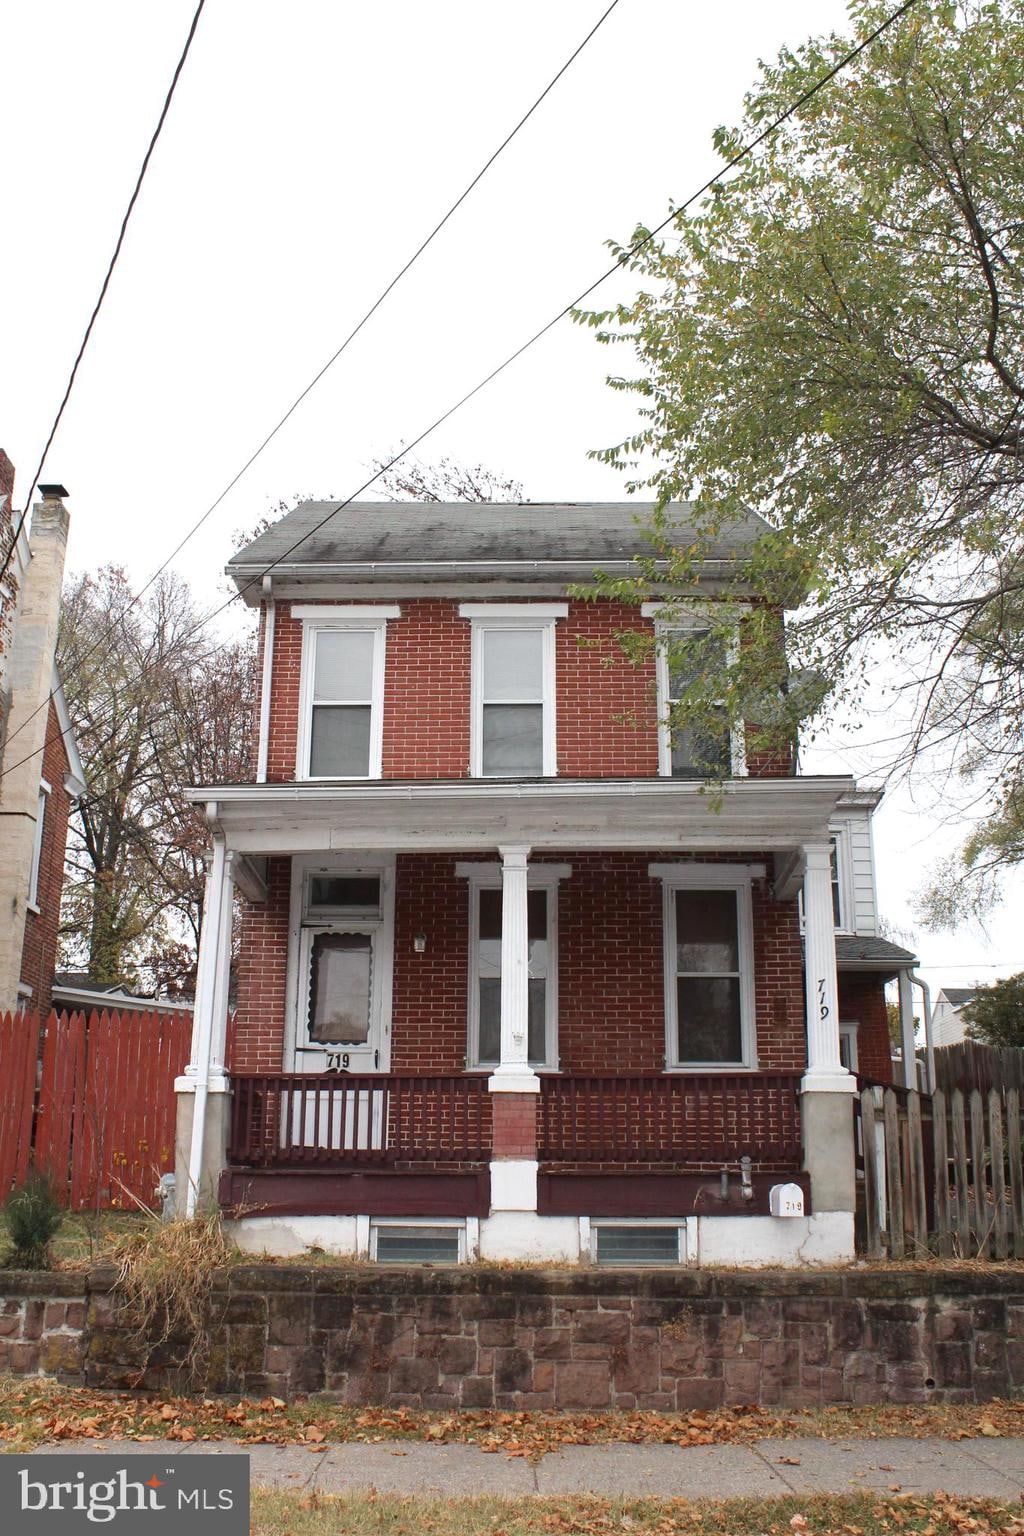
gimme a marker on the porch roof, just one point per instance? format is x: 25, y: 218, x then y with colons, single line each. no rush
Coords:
x: 432, y: 815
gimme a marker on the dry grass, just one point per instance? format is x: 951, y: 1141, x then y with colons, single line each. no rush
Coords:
x: 165, y: 1276
x: 279, y: 1513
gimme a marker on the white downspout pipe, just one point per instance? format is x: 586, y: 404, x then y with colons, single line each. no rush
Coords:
x: 206, y: 986
x: 269, y: 615
x: 929, y: 1034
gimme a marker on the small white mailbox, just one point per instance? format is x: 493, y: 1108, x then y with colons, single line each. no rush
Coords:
x: 786, y: 1200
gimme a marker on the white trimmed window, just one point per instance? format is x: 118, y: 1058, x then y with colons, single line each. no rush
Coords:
x: 848, y: 1053
x: 37, y: 846
x: 709, y: 966
x: 483, y: 1048
x: 341, y: 702
x: 842, y: 883
x: 691, y: 753
x: 512, y: 728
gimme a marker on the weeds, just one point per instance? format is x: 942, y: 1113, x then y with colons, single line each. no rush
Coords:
x: 165, y: 1278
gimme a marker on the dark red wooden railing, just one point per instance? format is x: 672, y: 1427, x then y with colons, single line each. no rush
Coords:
x: 342, y: 1118
x: 670, y: 1118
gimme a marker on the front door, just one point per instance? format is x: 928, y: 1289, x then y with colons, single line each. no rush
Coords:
x: 341, y: 1018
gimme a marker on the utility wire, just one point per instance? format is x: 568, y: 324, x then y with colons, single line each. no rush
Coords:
x: 353, y: 333
x: 106, y: 284
x: 741, y: 154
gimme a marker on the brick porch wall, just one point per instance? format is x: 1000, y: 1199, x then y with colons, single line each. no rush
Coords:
x: 610, y: 977
x: 862, y: 999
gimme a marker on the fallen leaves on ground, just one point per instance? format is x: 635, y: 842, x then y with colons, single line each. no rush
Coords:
x: 37, y: 1411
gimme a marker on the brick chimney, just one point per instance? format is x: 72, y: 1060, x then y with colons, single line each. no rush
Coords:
x: 32, y: 641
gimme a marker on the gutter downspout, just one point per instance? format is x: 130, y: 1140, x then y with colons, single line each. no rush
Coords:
x: 270, y: 612
x: 929, y: 1035
x: 205, y: 990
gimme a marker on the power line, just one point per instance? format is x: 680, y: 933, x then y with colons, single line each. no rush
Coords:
x: 106, y: 283
x: 741, y: 154
x: 353, y: 333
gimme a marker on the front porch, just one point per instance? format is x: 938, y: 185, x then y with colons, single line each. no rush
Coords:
x: 457, y: 1014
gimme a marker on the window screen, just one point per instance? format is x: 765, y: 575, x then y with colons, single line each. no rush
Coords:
x: 345, y: 893
x: 416, y: 1245
x: 342, y: 704
x: 698, y: 752
x: 489, y: 1053
x: 512, y: 693
x: 641, y: 1244
x: 341, y: 966
x: 708, y: 977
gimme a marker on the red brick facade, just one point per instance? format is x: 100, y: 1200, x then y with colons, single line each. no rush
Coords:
x: 611, y: 969
x: 39, y: 952
x: 862, y: 1002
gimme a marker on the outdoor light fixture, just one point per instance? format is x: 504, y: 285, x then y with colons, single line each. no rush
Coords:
x: 419, y: 943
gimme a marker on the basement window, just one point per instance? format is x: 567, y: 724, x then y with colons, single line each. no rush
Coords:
x: 417, y: 1242
x: 622, y: 1244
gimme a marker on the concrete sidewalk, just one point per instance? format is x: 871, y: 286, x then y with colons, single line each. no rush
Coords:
x: 982, y: 1467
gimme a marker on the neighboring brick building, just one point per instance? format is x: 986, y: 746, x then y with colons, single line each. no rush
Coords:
x: 40, y: 769
x: 505, y: 967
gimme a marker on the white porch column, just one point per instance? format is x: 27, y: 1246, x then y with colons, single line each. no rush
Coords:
x: 908, y: 1043
x: 203, y: 1088
x: 513, y: 1073
x: 826, y: 1100
x: 825, y: 1072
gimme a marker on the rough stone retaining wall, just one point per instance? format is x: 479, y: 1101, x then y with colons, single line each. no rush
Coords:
x: 475, y: 1338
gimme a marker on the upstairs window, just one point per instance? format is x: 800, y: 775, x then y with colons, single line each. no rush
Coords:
x: 694, y: 751
x: 37, y: 846
x: 512, y: 732
x: 342, y: 694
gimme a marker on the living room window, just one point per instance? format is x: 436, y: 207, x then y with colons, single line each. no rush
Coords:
x: 709, y: 981
x: 512, y: 733
x: 341, y: 705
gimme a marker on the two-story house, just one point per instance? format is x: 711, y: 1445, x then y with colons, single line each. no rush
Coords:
x: 511, y: 982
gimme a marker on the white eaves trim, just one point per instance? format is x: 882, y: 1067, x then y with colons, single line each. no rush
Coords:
x: 533, y: 611
x: 75, y: 782
x: 372, y: 612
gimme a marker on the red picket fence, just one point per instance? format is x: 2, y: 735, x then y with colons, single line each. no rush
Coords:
x: 91, y: 1101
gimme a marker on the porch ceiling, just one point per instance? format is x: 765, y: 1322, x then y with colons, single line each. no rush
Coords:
x: 563, y: 814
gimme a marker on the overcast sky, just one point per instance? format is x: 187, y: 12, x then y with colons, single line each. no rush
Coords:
x: 310, y: 146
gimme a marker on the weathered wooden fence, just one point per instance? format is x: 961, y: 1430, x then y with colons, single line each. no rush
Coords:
x: 942, y: 1173
x: 90, y: 1100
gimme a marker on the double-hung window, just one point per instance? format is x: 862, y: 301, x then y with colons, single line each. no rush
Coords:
x: 709, y: 981
x: 342, y: 695
x: 512, y: 730
x: 686, y: 646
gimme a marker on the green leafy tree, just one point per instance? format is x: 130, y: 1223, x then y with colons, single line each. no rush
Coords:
x: 995, y: 1015
x: 836, y: 338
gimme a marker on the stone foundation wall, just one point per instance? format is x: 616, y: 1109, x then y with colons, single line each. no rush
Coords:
x: 477, y: 1338
x: 42, y: 1324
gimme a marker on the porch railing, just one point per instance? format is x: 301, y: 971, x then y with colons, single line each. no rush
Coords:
x: 670, y: 1118
x: 282, y: 1119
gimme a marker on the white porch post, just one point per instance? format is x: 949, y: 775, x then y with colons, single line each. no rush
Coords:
x: 908, y: 1043
x: 826, y: 1102
x: 203, y: 1088
x: 514, y: 1110
x: 825, y: 1071
x: 513, y: 1073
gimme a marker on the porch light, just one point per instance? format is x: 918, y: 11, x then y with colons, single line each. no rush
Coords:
x: 419, y: 943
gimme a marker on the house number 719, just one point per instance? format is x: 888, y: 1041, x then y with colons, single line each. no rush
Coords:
x: 825, y: 1010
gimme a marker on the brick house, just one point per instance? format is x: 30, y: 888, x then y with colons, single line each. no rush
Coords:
x: 41, y: 770
x: 511, y: 983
